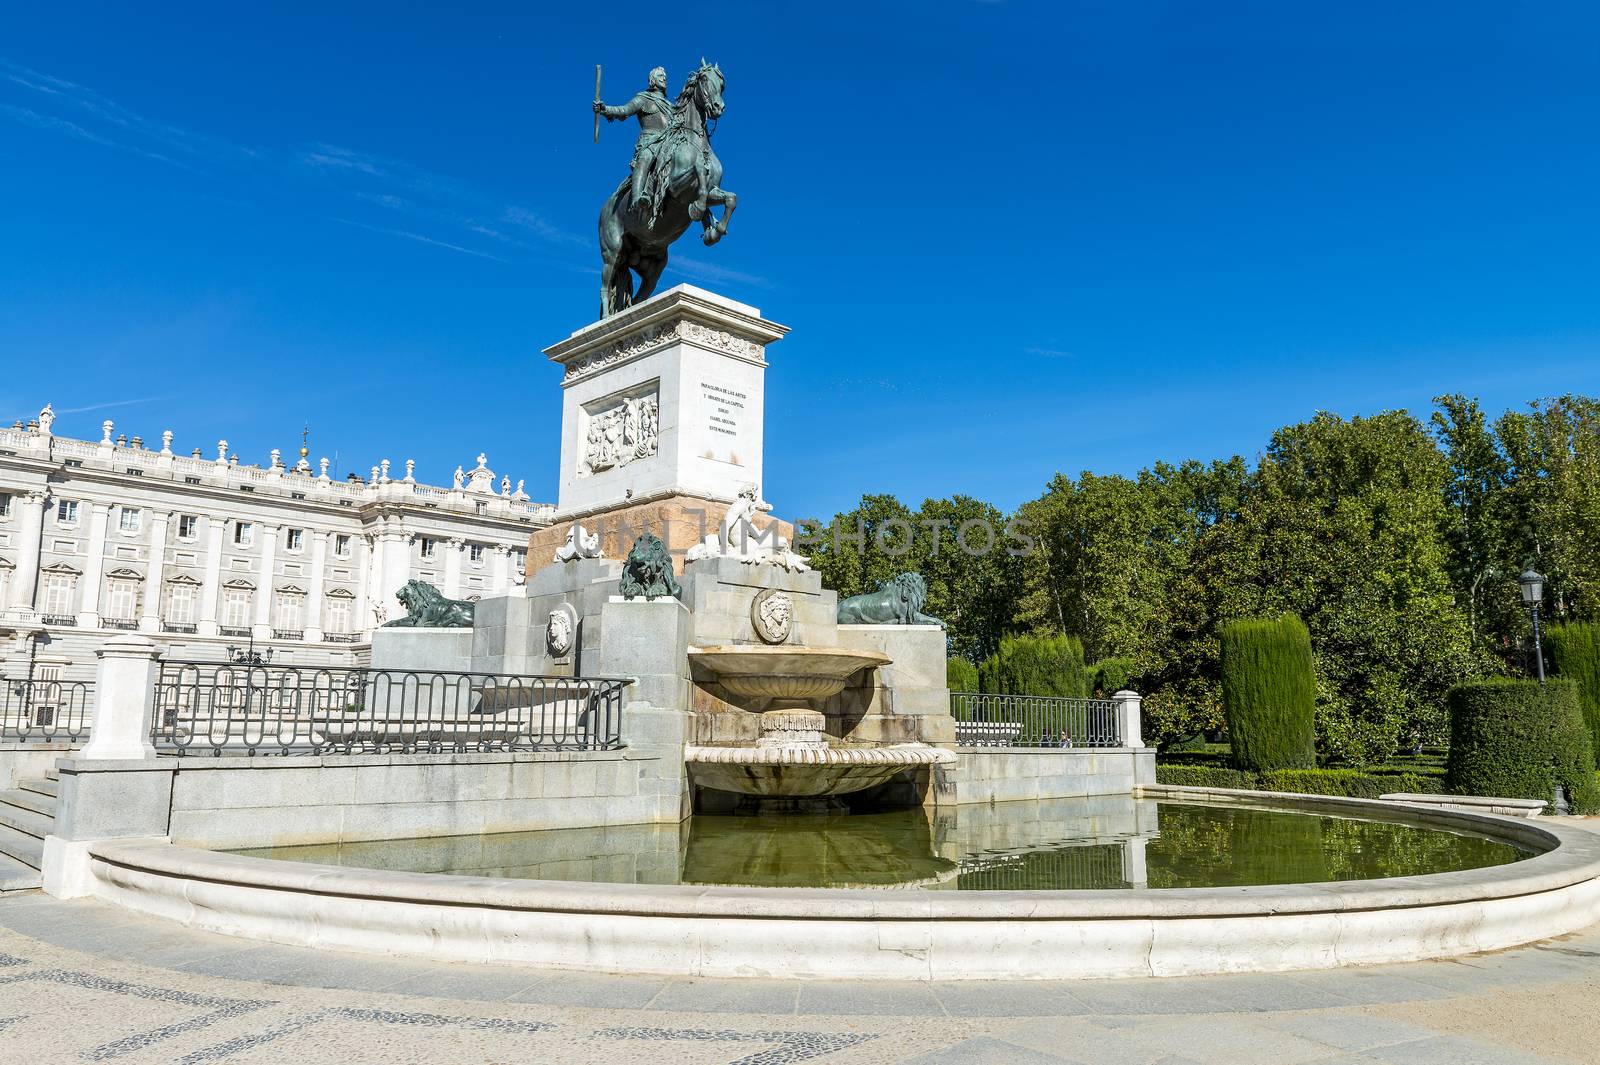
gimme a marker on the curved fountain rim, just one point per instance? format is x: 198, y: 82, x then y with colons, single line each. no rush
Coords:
x: 776, y: 650
x: 906, y: 754
x: 1572, y: 858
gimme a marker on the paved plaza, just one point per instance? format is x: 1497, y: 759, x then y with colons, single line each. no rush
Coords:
x: 86, y: 982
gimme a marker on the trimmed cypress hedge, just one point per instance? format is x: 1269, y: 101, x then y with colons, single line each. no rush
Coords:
x: 1269, y: 693
x: 1110, y: 675
x: 1518, y: 739
x: 1575, y: 653
x: 960, y: 675
x: 1035, y: 665
x: 1344, y: 782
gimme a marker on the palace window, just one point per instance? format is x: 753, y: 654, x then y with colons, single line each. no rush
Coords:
x: 236, y: 607
x: 5, y: 505
x: 122, y: 598
x: 341, y: 546
x: 519, y: 559
x: 296, y: 541
x: 180, y: 604
x: 430, y: 547
x: 244, y: 533
x: 337, y: 613
x: 289, y: 609
x: 128, y: 519
x: 483, y: 508
x: 191, y: 480
x: 188, y: 526
x: 67, y: 512
x: 58, y: 589
x: 475, y: 554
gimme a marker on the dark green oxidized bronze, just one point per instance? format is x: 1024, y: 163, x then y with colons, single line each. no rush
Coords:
x: 648, y: 570
x: 673, y: 181
x: 426, y: 608
x: 897, y: 601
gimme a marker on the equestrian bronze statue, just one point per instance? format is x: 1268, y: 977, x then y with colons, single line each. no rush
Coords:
x: 673, y: 181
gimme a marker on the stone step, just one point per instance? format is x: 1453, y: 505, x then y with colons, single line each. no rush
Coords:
x: 15, y: 877
x: 34, y: 824
x: 52, y: 774
x: 30, y: 800
x: 42, y: 787
x: 22, y: 846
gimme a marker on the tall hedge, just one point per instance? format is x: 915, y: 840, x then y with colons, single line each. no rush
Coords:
x: 1575, y: 654
x: 960, y: 675
x: 1110, y: 675
x: 1035, y: 665
x: 1518, y: 739
x: 1269, y: 691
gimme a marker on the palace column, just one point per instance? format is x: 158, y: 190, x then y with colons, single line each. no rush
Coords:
x: 94, y: 566
x: 499, y: 568
x: 206, y: 623
x: 319, y: 562
x: 264, y: 581
x: 394, y: 569
x: 361, y: 621
x: 30, y: 538
x: 150, y: 619
x: 452, y: 567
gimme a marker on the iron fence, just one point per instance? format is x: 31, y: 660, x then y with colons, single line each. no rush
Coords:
x: 46, y: 711
x: 225, y: 708
x: 1034, y: 721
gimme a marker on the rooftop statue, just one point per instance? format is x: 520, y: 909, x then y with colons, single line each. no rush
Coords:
x: 672, y: 182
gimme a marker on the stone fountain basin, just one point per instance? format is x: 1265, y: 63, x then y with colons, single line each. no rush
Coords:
x: 787, y: 673
x: 799, y: 773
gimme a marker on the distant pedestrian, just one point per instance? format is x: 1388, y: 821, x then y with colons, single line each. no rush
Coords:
x: 1416, y: 743
x: 1066, y: 738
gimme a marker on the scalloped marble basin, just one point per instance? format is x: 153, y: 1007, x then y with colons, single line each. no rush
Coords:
x: 786, y: 673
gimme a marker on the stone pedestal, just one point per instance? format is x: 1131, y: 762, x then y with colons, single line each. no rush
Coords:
x: 439, y: 650
x: 649, y: 641
x: 662, y: 400
x: 903, y: 702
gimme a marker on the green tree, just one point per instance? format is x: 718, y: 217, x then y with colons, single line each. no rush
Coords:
x: 1269, y: 691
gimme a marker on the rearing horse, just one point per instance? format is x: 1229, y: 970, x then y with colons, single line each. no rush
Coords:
x: 636, y: 239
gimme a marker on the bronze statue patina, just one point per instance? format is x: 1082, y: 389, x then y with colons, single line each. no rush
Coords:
x: 674, y: 181
x: 648, y: 570
x: 427, y: 608
x: 897, y: 601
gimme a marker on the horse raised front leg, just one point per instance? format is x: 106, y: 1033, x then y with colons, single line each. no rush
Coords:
x: 716, y: 228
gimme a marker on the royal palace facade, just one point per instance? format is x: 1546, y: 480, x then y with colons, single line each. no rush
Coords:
x: 209, y: 556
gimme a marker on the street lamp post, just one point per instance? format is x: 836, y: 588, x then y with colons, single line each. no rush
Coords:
x: 1532, y: 585
x: 249, y: 656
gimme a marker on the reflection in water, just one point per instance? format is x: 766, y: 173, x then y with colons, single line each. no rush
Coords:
x: 1094, y: 843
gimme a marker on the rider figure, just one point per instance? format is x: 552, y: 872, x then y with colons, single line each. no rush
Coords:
x: 654, y: 112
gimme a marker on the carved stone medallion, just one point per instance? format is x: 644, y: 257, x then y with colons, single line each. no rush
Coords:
x: 772, y: 614
x: 559, y: 631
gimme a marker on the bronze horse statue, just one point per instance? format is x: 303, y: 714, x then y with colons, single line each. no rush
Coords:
x: 635, y: 238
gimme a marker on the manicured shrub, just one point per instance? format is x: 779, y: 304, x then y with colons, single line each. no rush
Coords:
x: 960, y: 675
x: 1518, y: 739
x: 1204, y: 776
x: 1110, y: 675
x: 1575, y: 654
x: 1035, y: 665
x: 1349, y: 783
x: 1269, y: 693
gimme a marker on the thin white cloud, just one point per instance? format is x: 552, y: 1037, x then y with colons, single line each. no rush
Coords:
x: 700, y: 270
x: 29, y: 117
x: 113, y: 403
x: 1051, y: 353
x: 408, y: 235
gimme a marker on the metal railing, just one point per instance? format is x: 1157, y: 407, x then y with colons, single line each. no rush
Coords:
x: 222, y: 708
x: 46, y: 711
x: 1034, y: 721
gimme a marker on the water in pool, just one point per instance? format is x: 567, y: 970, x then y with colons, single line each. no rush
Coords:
x: 1096, y: 843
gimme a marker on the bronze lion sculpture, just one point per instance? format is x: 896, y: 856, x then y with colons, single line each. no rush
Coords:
x: 427, y: 608
x: 897, y: 601
x: 648, y: 570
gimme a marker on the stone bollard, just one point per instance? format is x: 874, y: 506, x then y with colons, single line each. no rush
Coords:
x: 1128, y: 718
x: 125, y: 692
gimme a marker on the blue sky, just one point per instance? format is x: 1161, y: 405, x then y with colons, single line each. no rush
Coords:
x: 1011, y: 238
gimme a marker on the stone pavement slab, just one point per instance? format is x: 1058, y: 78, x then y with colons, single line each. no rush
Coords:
x: 82, y: 981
